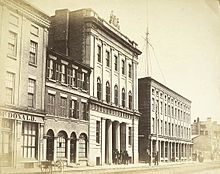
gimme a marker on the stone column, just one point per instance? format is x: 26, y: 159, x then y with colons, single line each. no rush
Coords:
x: 174, y: 144
x: 164, y: 143
x: 103, y: 140
x: 118, y: 136
x: 109, y: 142
x: 55, y: 149
x: 68, y: 151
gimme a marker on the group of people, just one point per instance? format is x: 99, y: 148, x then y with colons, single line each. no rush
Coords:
x: 121, y: 157
x: 155, y: 159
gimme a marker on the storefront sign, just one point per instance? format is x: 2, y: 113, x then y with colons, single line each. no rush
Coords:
x: 17, y: 116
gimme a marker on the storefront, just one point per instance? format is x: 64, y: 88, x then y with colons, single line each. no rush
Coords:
x: 20, y: 138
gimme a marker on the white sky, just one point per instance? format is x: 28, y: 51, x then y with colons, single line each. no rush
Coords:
x: 185, y: 35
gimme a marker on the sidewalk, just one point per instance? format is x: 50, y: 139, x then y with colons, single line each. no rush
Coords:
x: 92, y: 168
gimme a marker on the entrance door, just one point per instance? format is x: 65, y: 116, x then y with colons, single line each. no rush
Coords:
x: 73, y: 148
x: 6, y: 143
x: 50, y: 145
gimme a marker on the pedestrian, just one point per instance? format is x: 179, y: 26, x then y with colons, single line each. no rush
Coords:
x: 148, y: 158
x: 156, y: 159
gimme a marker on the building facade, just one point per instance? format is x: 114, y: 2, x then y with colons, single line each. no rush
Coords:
x: 164, y: 125
x: 206, y: 138
x: 67, y: 106
x: 23, y: 41
x: 113, y: 111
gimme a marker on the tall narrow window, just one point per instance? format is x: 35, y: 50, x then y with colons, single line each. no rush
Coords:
x: 74, y: 78
x: 33, y: 52
x: 107, y: 59
x: 85, y: 81
x: 129, y: 70
x: 129, y: 136
x: 79, y: 79
x: 10, y: 87
x: 58, y: 72
x: 69, y: 76
x: 99, y: 53
x: 130, y: 100
x: 30, y: 141
x: 161, y: 107
x: 98, y: 132
x: 62, y: 145
x: 123, y: 97
x: 63, y: 107
x: 107, y: 92
x: 123, y: 66
x: 84, y: 111
x: 50, y: 70
x: 153, y: 104
x: 73, y: 109
x: 12, y: 44
x: 51, y: 104
x: 116, y: 95
x: 31, y: 93
x: 63, y: 74
x: 82, y: 146
x: 116, y: 63
x: 99, y: 89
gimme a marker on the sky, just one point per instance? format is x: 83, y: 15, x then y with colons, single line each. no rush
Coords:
x: 185, y: 43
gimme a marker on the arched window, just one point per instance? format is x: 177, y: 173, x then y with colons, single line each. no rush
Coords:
x: 82, y: 146
x: 107, y: 92
x: 123, y: 97
x: 62, y: 145
x: 130, y: 100
x: 116, y: 95
x: 99, y: 89
x: 50, y: 145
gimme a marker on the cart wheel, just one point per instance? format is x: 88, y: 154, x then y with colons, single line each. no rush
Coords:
x: 59, y: 165
x: 45, y: 169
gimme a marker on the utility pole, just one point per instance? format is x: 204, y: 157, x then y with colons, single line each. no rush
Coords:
x: 157, y: 126
x: 147, y: 49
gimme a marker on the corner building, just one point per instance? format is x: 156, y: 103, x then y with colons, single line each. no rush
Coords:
x: 113, y: 111
x: 165, y: 123
x: 23, y: 42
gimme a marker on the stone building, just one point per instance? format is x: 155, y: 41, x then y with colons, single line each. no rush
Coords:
x: 23, y: 41
x: 206, y: 138
x: 113, y: 57
x: 164, y: 125
x: 66, y: 101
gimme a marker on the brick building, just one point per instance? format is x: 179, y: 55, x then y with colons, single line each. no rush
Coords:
x: 23, y: 41
x: 113, y: 57
x: 164, y: 125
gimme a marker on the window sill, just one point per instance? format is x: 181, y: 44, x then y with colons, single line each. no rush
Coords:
x: 32, y: 64
x: 83, y: 90
x: 12, y: 57
x: 64, y: 84
x: 52, y: 80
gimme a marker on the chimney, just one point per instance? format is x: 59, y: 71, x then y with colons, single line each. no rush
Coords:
x: 59, y: 31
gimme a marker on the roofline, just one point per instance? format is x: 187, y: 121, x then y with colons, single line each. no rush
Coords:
x: 150, y: 78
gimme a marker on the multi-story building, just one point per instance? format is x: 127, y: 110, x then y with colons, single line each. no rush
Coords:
x: 23, y: 41
x: 113, y: 112
x: 206, y: 138
x: 164, y: 125
x: 66, y: 121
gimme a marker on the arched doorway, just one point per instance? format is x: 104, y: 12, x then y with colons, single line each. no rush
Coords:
x: 73, y: 147
x: 50, y: 145
x: 62, y: 145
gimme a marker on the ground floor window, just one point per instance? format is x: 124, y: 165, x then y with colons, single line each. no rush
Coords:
x: 62, y: 145
x: 29, y: 137
x: 82, y: 146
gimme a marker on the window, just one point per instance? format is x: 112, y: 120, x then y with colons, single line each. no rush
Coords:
x: 153, y: 104
x: 69, y: 76
x: 116, y: 95
x: 50, y: 71
x: 107, y: 92
x: 74, y: 78
x: 107, y: 59
x: 58, y: 72
x: 130, y: 100
x: 161, y: 127
x: 99, y: 89
x: 63, y: 107
x: 34, y: 30
x: 129, y: 136
x: 169, y: 129
x: 129, y: 70
x: 97, y: 131
x: 74, y: 107
x: 84, y: 111
x: 82, y: 146
x: 62, y: 145
x: 10, y: 87
x: 31, y: 93
x: 29, y: 140
x: 12, y: 44
x: 116, y: 63
x: 51, y: 104
x: 123, y: 67
x: 33, y: 52
x: 79, y: 79
x: 123, y: 97
x: 165, y: 128
x: 161, y: 108
x: 63, y: 74
x: 168, y: 109
x: 99, y: 53
x: 165, y: 109
x: 85, y: 81
x: 153, y: 125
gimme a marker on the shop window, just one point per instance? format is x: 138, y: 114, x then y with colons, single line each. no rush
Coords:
x: 62, y: 145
